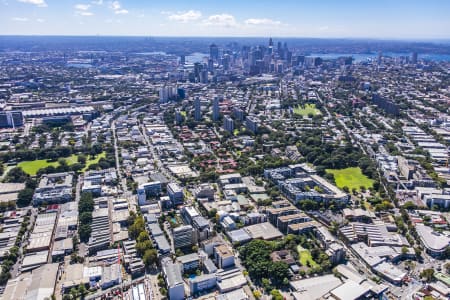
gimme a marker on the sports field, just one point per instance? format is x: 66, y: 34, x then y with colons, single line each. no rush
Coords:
x: 306, y: 110
x: 32, y: 167
x: 351, y: 178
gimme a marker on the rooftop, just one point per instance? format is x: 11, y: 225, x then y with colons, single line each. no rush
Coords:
x: 432, y: 240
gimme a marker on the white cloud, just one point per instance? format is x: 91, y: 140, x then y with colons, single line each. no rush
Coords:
x: 223, y: 20
x: 82, y: 6
x: 20, y: 19
x: 85, y: 13
x: 184, y: 17
x: 117, y: 8
x: 83, y: 10
x: 262, y: 22
x: 121, y: 12
x: 324, y: 28
x: 97, y: 2
x: 40, y: 20
x: 40, y: 3
x: 115, y: 5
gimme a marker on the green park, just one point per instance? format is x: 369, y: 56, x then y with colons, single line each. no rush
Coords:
x: 351, y: 178
x: 33, y: 166
x: 305, y: 257
x: 306, y: 110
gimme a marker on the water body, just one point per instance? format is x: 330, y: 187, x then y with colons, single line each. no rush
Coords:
x: 79, y: 65
x: 152, y: 53
x: 371, y: 56
x: 196, y: 57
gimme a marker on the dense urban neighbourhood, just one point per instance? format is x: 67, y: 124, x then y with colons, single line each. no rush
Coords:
x: 223, y: 170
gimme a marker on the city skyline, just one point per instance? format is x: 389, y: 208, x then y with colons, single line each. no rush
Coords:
x: 409, y: 20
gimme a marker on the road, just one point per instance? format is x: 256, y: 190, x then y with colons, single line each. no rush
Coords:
x: 122, y: 180
x: 78, y: 188
x: 159, y: 165
x: 15, y: 268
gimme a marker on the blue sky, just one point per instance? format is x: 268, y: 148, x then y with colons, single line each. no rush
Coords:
x: 397, y: 19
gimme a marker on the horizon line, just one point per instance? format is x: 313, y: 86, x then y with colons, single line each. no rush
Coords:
x: 396, y: 39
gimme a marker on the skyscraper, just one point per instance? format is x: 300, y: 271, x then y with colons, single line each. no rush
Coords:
x: 214, y: 52
x: 215, y: 109
x: 414, y: 58
x: 197, y: 109
x: 182, y: 60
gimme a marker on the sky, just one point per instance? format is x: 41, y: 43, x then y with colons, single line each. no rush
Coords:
x: 380, y: 19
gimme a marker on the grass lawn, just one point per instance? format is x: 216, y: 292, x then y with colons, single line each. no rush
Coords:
x: 32, y: 167
x: 305, y: 257
x: 306, y: 110
x: 350, y: 177
x: 92, y: 161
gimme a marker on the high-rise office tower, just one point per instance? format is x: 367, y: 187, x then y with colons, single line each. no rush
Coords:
x: 226, y: 62
x: 210, y: 65
x: 182, y: 60
x: 204, y: 76
x: 379, y: 57
x: 197, y: 109
x: 214, y: 52
x: 270, y: 42
x: 414, y: 58
x: 215, y: 109
x: 197, y: 70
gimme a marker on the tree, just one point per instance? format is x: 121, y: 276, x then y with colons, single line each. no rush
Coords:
x: 427, y: 274
x: 150, y: 257
x: 447, y: 267
x: 137, y: 227
x: 74, y: 293
x: 16, y: 175
x: 24, y: 197
x: 276, y: 295
x: 86, y: 217
x: 257, y: 294
x: 141, y: 247
x: 82, y: 159
x: 266, y: 284
x: 404, y: 250
x: 82, y: 290
x: 86, y: 203
x: 212, y: 213
x: 278, y: 271
x: 75, y: 242
x: 143, y: 236
x: 418, y: 251
x: 62, y: 162
x: 85, y: 232
x: 409, y: 205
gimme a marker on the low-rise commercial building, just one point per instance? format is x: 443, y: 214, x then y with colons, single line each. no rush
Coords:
x: 54, y: 188
x: 434, y: 243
